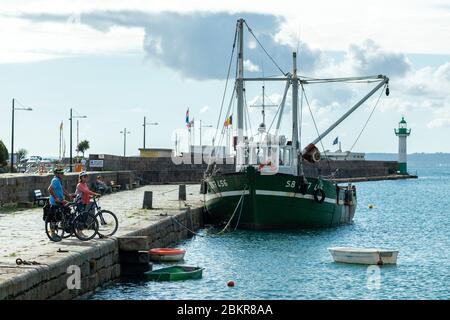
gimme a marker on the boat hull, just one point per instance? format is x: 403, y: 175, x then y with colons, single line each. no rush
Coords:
x: 167, y: 258
x: 175, y: 273
x: 166, y: 254
x: 258, y: 201
x: 364, y: 256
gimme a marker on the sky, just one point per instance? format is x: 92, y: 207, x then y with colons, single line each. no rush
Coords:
x: 116, y: 62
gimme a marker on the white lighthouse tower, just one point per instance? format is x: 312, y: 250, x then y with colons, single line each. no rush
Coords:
x: 402, y: 132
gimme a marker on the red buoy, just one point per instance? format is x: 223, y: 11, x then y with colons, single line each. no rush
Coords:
x: 230, y: 283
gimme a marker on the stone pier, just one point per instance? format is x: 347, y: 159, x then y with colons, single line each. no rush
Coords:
x: 22, y: 236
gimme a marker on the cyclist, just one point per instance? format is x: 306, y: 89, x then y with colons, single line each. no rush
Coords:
x: 57, y: 193
x: 83, y: 192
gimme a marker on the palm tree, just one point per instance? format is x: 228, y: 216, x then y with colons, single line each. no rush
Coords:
x: 83, y: 146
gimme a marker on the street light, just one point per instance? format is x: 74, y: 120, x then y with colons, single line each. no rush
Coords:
x: 204, y: 126
x: 125, y: 132
x: 71, y: 117
x: 12, y: 132
x: 148, y: 124
x: 78, y: 132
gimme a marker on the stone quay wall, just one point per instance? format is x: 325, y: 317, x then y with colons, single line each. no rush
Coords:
x: 165, y: 170
x: 162, y: 170
x: 17, y: 188
x: 351, y: 168
x: 99, y: 262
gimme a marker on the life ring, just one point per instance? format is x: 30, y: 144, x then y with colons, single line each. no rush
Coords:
x: 322, y: 195
x: 267, y: 164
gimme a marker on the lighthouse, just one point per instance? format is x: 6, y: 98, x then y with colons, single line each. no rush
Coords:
x: 402, y: 133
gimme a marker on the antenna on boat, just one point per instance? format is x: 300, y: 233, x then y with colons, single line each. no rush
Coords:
x: 262, y: 126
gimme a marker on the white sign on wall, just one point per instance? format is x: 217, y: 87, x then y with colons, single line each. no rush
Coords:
x: 96, y: 163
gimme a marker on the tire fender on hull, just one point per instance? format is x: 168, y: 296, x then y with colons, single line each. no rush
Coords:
x: 319, y: 195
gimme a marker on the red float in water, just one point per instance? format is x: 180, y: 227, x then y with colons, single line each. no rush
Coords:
x: 230, y: 283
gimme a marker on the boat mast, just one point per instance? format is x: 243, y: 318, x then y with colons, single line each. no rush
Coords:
x: 240, y: 82
x: 295, y: 142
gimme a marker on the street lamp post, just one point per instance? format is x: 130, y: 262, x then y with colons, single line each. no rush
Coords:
x: 148, y: 124
x: 203, y: 126
x: 125, y: 132
x: 12, y: 131
x: 71, y: 117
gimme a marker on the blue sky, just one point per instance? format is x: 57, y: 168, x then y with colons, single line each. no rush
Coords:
x: 116, y: 63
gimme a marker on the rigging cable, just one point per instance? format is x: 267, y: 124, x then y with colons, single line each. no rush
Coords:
x: 262, y: 47
x: 315, y: 125
x: 226, y: 83
x: 367, y: 121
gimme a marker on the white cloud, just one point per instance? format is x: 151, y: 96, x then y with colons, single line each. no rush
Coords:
x: 439, y: 123
x: 441, y: 118
x: 250, y: 66
x: 204, y: 109
x: 25, y: 41
x: 416, y: 22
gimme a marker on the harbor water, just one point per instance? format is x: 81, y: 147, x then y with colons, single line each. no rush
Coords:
x: 412, y: 216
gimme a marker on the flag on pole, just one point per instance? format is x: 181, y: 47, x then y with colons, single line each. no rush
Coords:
x: 187, y: 117
x: 228, y: 121
x: 335, y: 141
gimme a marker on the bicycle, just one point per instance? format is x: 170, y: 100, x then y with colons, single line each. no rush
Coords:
x: 107, y: 220
x: 62, y: 222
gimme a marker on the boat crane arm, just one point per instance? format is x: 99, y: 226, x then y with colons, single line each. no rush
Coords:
x: 283, y: 102
x: 384, y: 80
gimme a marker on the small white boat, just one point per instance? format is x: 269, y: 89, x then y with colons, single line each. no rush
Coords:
x: 166, y: 254
x: 364, y: 255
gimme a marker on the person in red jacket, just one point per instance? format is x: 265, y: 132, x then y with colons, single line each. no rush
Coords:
x: 83, y: 191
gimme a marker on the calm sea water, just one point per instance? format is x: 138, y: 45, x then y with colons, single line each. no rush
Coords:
x: 412, y: 216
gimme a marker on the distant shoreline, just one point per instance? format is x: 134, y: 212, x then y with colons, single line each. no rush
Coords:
x: 432, y: 157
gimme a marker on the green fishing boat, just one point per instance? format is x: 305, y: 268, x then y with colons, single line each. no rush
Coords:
x: 269, y: 189
x: 175, y: 273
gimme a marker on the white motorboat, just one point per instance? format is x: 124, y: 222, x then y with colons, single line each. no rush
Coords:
x: 364, y: 255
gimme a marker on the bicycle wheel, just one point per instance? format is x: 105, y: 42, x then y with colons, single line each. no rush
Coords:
x: 85, y: 226
x: 54, y: 228
x: 107, y: 223
x: 68, y: 226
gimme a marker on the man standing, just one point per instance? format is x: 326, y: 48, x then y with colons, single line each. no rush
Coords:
x: 57, y: 202
x: 56, y: 189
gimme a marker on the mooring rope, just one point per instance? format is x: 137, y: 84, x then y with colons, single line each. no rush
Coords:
x: 193, y: 232
x: 235, y: 210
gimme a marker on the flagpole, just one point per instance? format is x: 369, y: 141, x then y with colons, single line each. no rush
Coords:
x: 59, y: 142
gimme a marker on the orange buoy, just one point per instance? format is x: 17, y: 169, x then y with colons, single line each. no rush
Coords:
x: 230, y: 283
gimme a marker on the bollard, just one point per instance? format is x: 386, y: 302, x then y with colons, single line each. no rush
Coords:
x: 148, y: 200
x: 182, y: 192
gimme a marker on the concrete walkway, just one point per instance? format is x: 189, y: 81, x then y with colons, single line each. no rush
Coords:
x: 22, y: 233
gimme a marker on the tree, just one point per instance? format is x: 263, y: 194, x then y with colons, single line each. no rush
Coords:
x: 21, y: 154
x: 3, y: 154
x: 83, y: 146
